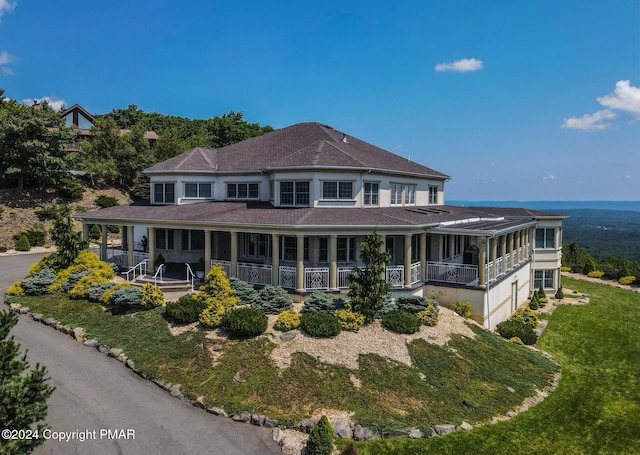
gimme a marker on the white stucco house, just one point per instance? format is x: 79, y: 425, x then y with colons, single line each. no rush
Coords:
x: 292, y: 206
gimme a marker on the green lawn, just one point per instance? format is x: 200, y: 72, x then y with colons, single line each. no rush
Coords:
x: 466, y: 380
x: 596, y: 408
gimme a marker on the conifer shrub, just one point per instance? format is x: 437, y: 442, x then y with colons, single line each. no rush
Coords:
x: 541, y: 293
x: 430, y: 315
x: 512, y: 328
x: 559, y: 293
x: 320, y: 325
x: 105, y: 298
x: 94, y: 292
x: 320, y: 440
x: 589, y: 266
x: 400, y: 321
x: 47, y: 212
x: 526, y: 315
x: 151, y: 296
x: 36, y: 234
x: 95, y: 233
x: 322, y: 301
x: 126, y: 296
x: 16, y: 289
x: 23, y: 243
x: 516, y: 340
x: 412, y: 303
x: 245, y: 322
x: 273, y: 300
x: 216, y: 285
x: 69, y: 188
x: 595, y: 274
x: 211, y: 316
x: 287, y: 320
x: 245, y: 292
x: 350, y: 450
x: 349, y: 319
x: 462, y: 308
x: 534, y: 302
x: 73, y: 279
x: 626, y: 280
x: 185, y: 310
x: 387, y: 305
x: 39, y: 283
x: 104, y: 201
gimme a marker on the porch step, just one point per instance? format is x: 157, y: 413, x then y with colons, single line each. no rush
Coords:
x: 167, y: 284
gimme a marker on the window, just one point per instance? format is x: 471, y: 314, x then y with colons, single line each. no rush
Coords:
x: 403, y: 194
x: 242, y: 191
x: 323, y: 248
x: 445, y: 247
x: 433, y: 194
x: 164, y: 239
x: 294, y: 193
x: 545, y: 238
x: 164, y: 193
x: 197, y: 190
x: 415, y: 248
x: 544, y: 278
x: 256, y: 246
x: 290, y: 249
x: 457, y: 244
x: 192, y: 240
x: 371, y: 191
x: 337, y: 190
x: 346, y: 250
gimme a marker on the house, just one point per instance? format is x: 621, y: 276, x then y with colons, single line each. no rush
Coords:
x: 292, y: 206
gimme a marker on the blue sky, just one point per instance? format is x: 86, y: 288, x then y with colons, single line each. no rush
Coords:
x: 523, y: 100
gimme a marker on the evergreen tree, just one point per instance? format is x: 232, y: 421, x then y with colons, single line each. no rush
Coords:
x: 68, y: 242
x: 368, y: 287
x: 321, y: 438
x: 23, y: 392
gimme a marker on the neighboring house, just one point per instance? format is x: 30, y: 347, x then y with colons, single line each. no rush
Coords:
x: 291, y: 208
x: 81, y: 121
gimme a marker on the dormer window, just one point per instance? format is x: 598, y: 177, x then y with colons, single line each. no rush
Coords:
x: 164, y: 193
x: 243, y: 191
x: 433, y: 195
x: 197, y: 190
x: 294, y: 193
x: 337, y: 190
x: 403, y: 194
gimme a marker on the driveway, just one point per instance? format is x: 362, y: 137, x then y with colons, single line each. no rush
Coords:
x: 95, y: 394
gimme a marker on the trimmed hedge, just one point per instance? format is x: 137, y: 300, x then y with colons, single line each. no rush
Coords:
x: 320, y: 325
x: 245, y: 322
x: 400, y: 321
x: 185, y: 310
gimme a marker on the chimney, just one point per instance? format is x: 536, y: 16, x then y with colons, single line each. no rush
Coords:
x: 344, y: 138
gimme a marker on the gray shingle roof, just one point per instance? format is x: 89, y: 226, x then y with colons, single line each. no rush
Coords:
x: 303, y: 145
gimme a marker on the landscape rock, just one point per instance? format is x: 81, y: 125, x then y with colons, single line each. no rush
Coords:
x: 91, y: 343
x: 288, y: 336
x: 403, y: 433
x: 511, y: 390
x: 238, y: 378
x: 218, y: 347
x: 307, y: 424
x: 257, y: 419
x: 103, y: 348
x: 163, y: 384
x: 16, y: 307
x: 270, y: 423
x: 199, y: 402
x: 361, y: 433
x: 23, y: 310
x: 114, y: 352
x: 444, y: 429
x: 241, y: 417
x: 36, y: 316
x: 415, y: 433
x: 78, y: 334
x: 342, y: 429
x: 277, y: 435
x: 217, y: 411
x: 129, y: 363
x: 465, y: 426
x: 175, y: 391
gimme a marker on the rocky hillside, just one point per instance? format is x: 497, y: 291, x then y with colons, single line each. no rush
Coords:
x: 17, y: 212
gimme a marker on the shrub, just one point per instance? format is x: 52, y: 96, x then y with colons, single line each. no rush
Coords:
x: 350, y: 450
x: 211, y: 316
x: 517, y: 328
x: 287, y: 320
x: 349, y: 320
x: 559, y: 294
x: 320, y: 440
x: 516, y: 340
x: 387, y: 305
x: 185, y: 310
x: 86, y: 270
x: 113, y: 228
x: 94, y: 292
x: 104, y: 202
x: 429, y: 316
x: 541, y: 292
x: 589, y: 266
x: 273, y: 300
x: 526, y: 315
x: 462, y: 308
x: 401, y: 322
x: 595, y: 274
x: 151, y: 296
x: 36, y: 235
x: 47, y: 212
x: 23, y: 243
x: 72, y: 280
x: 415, y: 304
x: 95, y: 233
x: 543, y: 300
x: 16, y: 289
x: 245, y: 292
x: 125, y: 296
x: 70, y: 189
x: 245, y: 322
x: 565, y: 269
x: 105, y: 298
x: 534, y: 303
x: 320, y: 325
x: 39, y: 283
x: 216, y: 285
x: 627, y: 279
x: 322, y: 301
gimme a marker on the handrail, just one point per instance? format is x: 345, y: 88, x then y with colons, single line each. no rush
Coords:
x: 190, y: 272
x: 142, y: 265
x: 155, y: 277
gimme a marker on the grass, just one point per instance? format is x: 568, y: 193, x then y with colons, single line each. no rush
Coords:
x: 596, y: 408
x: 466, y: 380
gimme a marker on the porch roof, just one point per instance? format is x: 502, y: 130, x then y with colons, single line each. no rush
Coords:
x: 263, y: 214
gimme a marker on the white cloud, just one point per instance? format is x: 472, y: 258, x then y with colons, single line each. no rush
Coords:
x: 624, y: 98
x: 6, y: 57
x: 461, y: 66
x: 549, y: 177
x: 53, y: 102
x: 596, y: 121
x: 6, y: 6
x: 7, y: 71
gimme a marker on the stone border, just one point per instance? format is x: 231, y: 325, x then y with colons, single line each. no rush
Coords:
x: 288, y: 442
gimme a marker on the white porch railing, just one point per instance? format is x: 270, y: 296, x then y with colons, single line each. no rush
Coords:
x: 343, y: 277
x: 226, y: 265
x: 507, y: 260
x: 139, y: 256
x: 316, y: 278
x: 451, y: 273
x: 254, y: 273
x: 395, y: 275
x: 141, y: 267
x: 499, y: 269
x: 416, y: 272
x: 287, y: 277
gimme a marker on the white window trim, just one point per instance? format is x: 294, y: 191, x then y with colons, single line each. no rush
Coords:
x: 164, y: 193
x: 184, y: 190
x: 294, y: 193
x: 403, y: 194
x: 337, y: 198
x: 237, y: 198
x: 366, y: 202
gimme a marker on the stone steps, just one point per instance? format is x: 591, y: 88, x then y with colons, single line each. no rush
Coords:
x: 167, y: 284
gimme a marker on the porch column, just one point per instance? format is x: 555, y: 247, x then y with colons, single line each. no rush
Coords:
x: 525, y: 243
x: 103, y: 247
x: 234, y: 254
x: 516, y: 247
x: 493, y: 252
x: 215, y: 240
x: 333, y: 263
x: 207, y: 251
x: 383, y: 248
x: 503, y: 250
x: 407, y: 260
x: 510, y: 244
x: 423, y: 254
x: 275, y: 259
x: 85, y: 232
x: 300, y: 263
x: 130, y: 246
x: 152, y: 247
x: 482, y: 262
